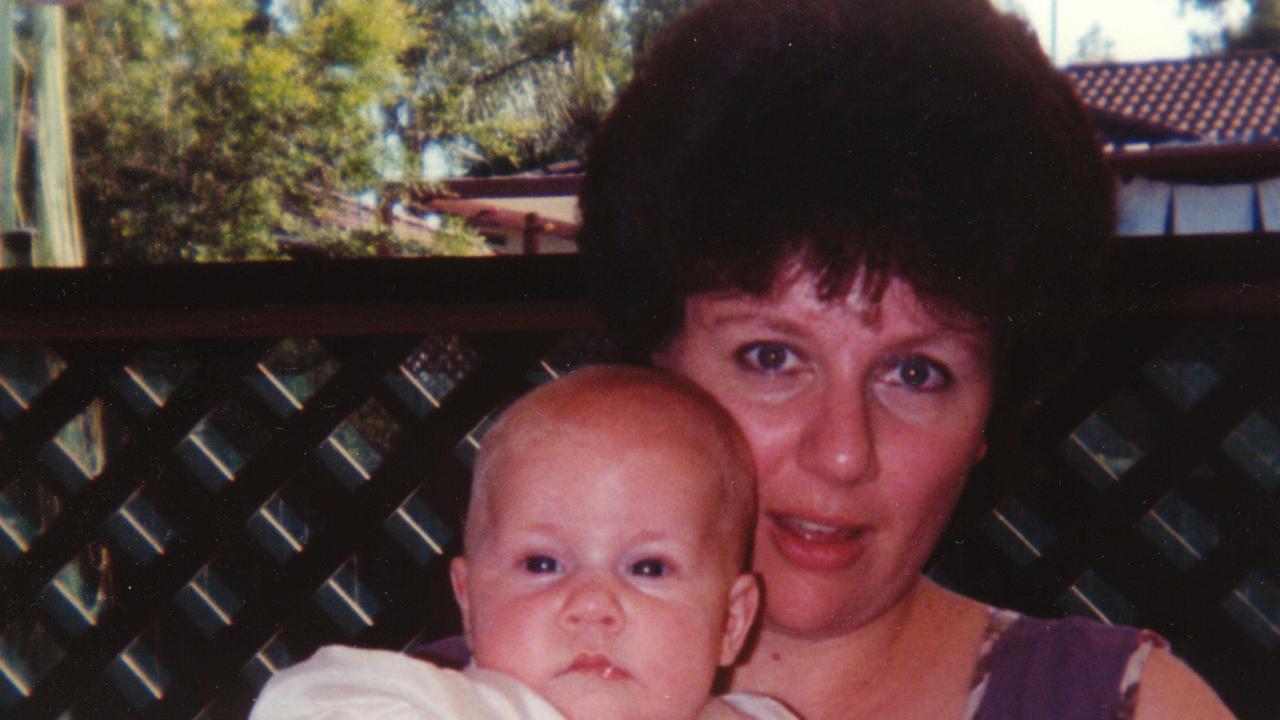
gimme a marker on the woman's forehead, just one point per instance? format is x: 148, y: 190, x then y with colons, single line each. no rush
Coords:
x: 797, y: 299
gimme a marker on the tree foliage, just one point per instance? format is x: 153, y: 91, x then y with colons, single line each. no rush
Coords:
x: 1094, y: 46
x: 1261, y: 29
x: 509, y: 84
x: 206, y: 128
x: 197, y: 130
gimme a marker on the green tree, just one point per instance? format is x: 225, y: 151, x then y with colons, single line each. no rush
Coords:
x: 647, y: 18
x: 1094, y: 46
x: 1260, y: 30
x: 204, y: 129
x: 507, y: 85
x: 200, y: 133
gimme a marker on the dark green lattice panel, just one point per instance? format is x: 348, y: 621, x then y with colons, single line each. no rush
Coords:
x: 179, y: 520
x: 207, y: 472
x: 1145, y: 491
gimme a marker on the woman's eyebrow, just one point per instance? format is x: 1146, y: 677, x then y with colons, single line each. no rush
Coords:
x: 974, y: 342
x: 755, y: 317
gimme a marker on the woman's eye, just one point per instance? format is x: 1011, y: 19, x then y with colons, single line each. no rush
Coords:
x: 919, y: 373
x: 769, y: 357
x: 649, y: 568
x: 541, y: 564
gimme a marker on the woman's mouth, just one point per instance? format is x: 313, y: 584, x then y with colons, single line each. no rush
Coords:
x: 597, y: 666
x: 814, y: 545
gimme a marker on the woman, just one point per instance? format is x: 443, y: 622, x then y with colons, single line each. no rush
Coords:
x: 849, y: 220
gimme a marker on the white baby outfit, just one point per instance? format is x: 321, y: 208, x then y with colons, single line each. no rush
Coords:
x: 346, y: 683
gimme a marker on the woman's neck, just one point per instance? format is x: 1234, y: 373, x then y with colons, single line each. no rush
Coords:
x: 915, y: 660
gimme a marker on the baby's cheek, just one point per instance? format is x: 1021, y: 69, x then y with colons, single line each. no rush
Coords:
x: 688, y: 654
x: 499, y: 639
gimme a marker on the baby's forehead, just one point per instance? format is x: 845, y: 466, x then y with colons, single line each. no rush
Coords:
x: 630, y: 453
x: 625, y: 471
x: 600, y: 403
x: 654, y: 430
x: 623, y: 419
x: 644, y: 498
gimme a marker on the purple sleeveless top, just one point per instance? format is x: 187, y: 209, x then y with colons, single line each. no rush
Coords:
x: 1028, y: 669
x: 1070, y: 669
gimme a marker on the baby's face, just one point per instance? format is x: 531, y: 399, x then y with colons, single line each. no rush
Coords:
x: 602, y: 577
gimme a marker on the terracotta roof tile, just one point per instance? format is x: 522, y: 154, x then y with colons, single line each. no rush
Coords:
x: 1231, y: 98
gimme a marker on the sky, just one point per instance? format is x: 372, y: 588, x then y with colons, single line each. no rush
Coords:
x: 1138, y: 29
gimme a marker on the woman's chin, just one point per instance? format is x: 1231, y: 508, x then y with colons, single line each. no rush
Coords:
x: 812, y: 612
x: 813, y: 605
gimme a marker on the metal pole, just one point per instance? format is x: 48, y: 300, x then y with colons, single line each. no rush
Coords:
x: 1053, y: 31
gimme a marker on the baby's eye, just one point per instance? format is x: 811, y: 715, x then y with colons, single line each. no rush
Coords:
x: 541, y: 564
x: 919, y: 373
x: 768, y: 357
x: 649, y: 567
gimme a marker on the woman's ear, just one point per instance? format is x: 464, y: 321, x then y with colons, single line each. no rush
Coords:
x: 744, y: 601
x: 458, y: 578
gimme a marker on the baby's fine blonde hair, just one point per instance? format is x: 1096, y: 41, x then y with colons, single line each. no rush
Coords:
x: 654, y: 407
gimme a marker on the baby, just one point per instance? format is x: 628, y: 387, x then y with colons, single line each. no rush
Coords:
x: 603, y: 569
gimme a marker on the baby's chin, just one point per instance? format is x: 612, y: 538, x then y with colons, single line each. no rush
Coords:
x: 586, y: 703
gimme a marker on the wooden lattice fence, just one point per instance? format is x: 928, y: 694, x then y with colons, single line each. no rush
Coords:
x: 208, y: 472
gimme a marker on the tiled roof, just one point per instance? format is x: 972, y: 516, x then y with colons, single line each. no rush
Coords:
x: 1232, y: 98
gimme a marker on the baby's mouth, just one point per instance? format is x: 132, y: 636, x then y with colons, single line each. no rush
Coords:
x: 596, y: 666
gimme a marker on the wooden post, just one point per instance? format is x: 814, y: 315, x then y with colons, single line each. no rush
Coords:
x: 16, y: 249
x: 59, y: 241
x: 10, y: 111
x: 532, y: 231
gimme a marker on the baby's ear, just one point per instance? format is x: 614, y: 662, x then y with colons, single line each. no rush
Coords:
x: 458, y: 578
x: 744, y: 601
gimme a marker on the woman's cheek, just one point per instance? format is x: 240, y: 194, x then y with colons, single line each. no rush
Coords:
x: 913, y: 408
x: 769, y: 438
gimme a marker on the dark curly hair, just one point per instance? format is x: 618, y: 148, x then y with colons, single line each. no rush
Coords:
x: 930, y: 140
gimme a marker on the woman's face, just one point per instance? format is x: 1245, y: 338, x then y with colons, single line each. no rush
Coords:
x: 864, y: 420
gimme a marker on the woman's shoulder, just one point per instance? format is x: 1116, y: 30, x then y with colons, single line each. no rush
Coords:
x: 1061, y: 641
x: 1067, y: 667
x: 1079, y: 668
x: 1170, y: 689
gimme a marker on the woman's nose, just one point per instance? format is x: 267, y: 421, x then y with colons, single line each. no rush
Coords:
x: 837, y: 443
x: 592, y: 604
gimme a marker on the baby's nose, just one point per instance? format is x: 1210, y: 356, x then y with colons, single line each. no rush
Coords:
x: 592, y: 604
